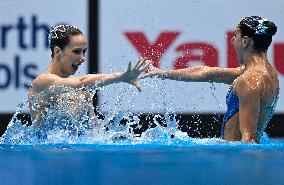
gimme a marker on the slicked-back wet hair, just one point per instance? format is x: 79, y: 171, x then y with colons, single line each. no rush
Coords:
x: 60, y: 36
x: 259, y: 29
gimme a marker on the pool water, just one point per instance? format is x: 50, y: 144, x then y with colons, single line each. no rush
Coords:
x: 62, y: 152
x: 204, y: 162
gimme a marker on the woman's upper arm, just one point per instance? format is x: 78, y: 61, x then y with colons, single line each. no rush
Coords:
x: 204, y: 74
x: 88, y: 81
x: 44, y: 82
x: 223, y: 75
x: 249, y: 99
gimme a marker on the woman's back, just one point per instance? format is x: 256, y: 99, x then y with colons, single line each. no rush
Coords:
x: 263, y: 78
x: 269, y: 97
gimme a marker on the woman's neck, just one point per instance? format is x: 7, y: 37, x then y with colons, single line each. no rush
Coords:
x: 253, y: 59
x: 54, y: 68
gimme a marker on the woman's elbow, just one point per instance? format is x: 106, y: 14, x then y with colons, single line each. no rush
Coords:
x: 249, y: 137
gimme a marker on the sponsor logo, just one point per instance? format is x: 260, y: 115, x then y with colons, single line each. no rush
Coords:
x: 28, y: 35
x: 188, y: 52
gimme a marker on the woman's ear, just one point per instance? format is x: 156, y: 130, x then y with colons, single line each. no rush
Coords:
x: 57, y: 52
x: 245, y: 41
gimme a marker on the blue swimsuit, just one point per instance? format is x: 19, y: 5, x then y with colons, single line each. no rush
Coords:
x: 232, y: 102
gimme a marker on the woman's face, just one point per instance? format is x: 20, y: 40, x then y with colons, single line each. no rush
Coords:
x: 73, y: 55
x: 237, y: 38
x: 237, y: 43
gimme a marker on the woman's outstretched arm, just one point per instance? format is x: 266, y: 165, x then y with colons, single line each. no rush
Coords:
x: 91, y: 81
x: 198, y: 74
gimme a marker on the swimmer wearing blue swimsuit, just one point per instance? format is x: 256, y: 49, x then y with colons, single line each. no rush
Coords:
x: 252, y: 98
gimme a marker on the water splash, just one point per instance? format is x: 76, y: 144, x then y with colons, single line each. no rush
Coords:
x: 109, y: 130
x: 61, y: 129
x: 63, y: 125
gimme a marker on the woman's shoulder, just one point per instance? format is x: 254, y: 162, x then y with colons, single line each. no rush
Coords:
x: 248, y: 82
x: 44, y: 80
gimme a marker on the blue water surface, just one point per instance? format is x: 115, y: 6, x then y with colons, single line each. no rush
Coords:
x: 202, y: 162
x: 56, y: 154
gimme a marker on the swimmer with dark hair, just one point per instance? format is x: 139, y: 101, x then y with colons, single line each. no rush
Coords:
x: 51, y: 88
x: 254, y: 90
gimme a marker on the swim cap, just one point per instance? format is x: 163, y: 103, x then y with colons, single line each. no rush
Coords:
x: 259, y: 25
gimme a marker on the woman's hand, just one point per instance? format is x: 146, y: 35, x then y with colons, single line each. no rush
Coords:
x: 153, y: 71
x: 131, y: 74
